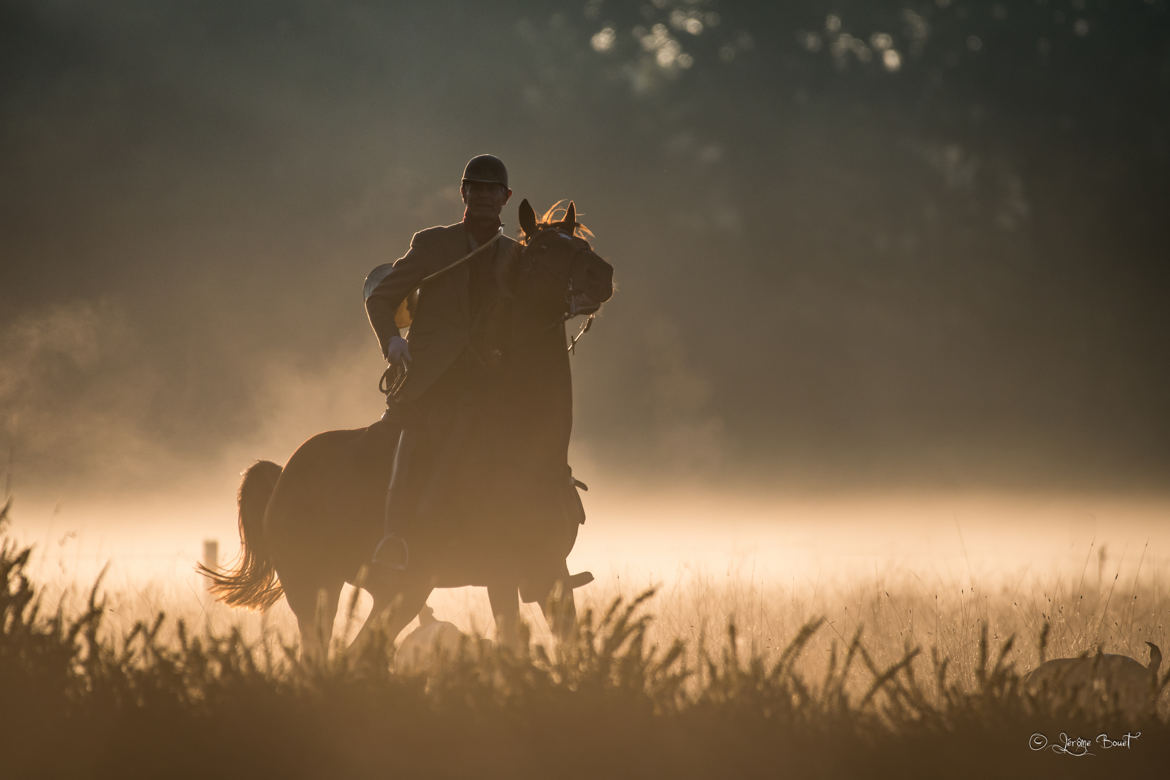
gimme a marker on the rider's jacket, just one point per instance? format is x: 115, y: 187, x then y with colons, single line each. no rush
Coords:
x: 440, y: 330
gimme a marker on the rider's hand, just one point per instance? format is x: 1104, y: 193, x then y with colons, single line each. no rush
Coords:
x: 398, y: 352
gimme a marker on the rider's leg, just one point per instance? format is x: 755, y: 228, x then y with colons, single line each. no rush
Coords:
x: 392, y: 552
x: 426, y: 425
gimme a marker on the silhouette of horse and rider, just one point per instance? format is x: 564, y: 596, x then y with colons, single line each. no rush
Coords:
x: 465, y: 480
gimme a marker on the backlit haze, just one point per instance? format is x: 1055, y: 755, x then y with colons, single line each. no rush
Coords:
x: 892, y: 278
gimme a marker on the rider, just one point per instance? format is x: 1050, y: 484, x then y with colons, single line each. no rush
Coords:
x: 441, y: 358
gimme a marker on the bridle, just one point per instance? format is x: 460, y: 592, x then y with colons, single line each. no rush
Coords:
x: 575, y: 302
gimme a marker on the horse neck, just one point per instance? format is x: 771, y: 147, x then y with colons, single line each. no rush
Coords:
x: 540, y: 394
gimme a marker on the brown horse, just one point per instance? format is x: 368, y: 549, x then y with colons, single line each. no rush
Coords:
x: 512, y: 509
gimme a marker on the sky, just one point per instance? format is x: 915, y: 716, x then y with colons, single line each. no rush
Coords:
x: 858, y: 245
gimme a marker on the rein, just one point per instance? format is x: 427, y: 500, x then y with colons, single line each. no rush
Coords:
x: 455, y: 264
x: 392, y: 380
x: 584, y: 329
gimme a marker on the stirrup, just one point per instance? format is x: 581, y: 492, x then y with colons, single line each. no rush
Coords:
x: 400, y: 562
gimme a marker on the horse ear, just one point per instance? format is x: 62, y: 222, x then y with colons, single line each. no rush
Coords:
x: 571, y: 216
x: 527, y: 218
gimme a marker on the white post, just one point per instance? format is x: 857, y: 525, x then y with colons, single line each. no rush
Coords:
x: 210, y: 556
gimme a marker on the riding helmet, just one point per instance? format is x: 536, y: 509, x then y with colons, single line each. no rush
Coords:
x: 486, y: 168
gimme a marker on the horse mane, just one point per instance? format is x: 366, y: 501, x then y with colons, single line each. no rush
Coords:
x: 555, y: 215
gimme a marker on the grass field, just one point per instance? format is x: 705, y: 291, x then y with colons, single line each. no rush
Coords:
x: 889, y: 663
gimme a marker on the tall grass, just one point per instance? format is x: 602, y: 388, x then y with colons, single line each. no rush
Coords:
x: 625, y: 700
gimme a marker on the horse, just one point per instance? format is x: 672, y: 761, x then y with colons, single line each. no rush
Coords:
x: 310, y: 527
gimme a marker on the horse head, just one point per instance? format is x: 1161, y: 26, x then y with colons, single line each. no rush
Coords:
x: 558, y: 269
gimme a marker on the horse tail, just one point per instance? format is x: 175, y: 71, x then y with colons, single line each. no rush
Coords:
x: 252, y: 582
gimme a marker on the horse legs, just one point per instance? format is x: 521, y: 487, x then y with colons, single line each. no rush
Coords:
x: 315, y: 609
x: 560, y: 610
x: 505, y: 601
x: 392, y: 610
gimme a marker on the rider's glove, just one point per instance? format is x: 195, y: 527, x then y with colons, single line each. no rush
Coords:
x: 398, y: 352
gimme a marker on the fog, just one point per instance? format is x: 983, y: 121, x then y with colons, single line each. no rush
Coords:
x: 650, y: 539
x: 880, y: 249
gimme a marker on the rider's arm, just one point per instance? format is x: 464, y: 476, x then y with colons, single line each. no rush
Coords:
x: 383, y: 301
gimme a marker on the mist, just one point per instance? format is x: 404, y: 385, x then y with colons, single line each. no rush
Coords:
x: 878, y: 247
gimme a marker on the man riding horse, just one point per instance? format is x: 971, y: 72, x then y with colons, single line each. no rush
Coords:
x: 445, y: 373
x: 474, y: 443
